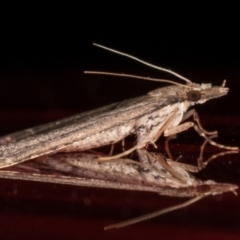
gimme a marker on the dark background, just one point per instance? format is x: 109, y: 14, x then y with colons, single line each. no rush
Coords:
x: 43, y: 53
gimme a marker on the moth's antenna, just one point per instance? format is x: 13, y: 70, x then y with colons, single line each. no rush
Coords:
x: 143, y: 62
x: 134, y: 76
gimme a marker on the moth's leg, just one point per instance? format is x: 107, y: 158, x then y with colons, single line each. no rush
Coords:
x: 200, y: 161
x: 166, y: 146
x: 196, y: 118
x: 178, y: 129
x: 113, y: 145
x: 171, y: 133
x: 188, y: 167
x: 202, y: 134
x: 159, y: 162
x: 123, y: 145
x: 111, y: 150
x: 202, y: 164
x: 186, y: 125
x: 154, y: 214
x: 131, y: 154
x: 146, y: 137
x: 167, y: 149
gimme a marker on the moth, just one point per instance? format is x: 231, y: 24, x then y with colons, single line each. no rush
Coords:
x: 59, y: 151
x: 82, y: 169
x: 162, y: 111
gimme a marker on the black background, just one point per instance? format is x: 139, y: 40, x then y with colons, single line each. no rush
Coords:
x: 43, y: 53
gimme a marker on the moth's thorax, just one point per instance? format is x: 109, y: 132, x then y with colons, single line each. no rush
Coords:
x: 181, y: 107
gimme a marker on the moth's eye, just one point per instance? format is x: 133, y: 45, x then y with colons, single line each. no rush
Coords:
x: 194, y: 95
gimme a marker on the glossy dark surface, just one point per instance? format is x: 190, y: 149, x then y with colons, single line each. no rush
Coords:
x: 42, y: 59
x: 37, y: 210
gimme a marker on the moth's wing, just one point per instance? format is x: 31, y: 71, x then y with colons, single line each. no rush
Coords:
x: 29, y: 132
x: 40, y: 172
x: 79, y: 118
x: 81, y: 164
x: 55, y: 137
x: 57, y: 169
x: 60, y: 169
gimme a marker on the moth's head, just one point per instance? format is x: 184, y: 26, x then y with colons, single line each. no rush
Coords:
x: 210, y: 187
x: 191, y: 92
x: 200, y: 93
